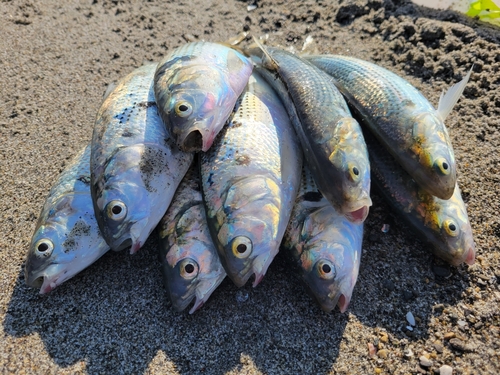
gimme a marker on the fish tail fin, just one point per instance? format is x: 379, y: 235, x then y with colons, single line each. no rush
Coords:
x: 448, y: 100
x: 266, y: 60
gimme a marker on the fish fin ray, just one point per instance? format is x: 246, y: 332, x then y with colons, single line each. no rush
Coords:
x: 448, y: 100
x: 268, y: 61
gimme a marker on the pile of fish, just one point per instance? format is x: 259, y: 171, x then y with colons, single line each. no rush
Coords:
x: 208, y: 147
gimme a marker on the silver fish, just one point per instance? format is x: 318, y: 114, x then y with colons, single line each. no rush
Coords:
x: 331, y: 138
x: 196, y: 87
x: 324, y: 246
x: 135, y: 166
x: 250, y: 178
x: 67, y: 238
x: 401, y: 118
x: 442, y: 223
x: 190, y: 263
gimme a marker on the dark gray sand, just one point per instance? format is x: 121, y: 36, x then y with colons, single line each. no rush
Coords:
x: 56, y: 60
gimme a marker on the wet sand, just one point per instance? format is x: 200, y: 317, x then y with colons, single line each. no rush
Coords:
x: 56, y: 60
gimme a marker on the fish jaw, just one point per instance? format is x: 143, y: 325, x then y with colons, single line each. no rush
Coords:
x: 343, y: 302
x: 358, y: 216
x: 139, y: 233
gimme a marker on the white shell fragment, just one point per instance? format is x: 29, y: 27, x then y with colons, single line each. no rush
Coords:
x: 410, y: 318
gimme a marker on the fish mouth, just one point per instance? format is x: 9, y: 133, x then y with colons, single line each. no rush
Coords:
x: 200, y: 137
x: 193, y: 142
x: 198, y: 303
x: 343, y: 302
x: 471, y: 256
x: 138, y: 235
x: 357, y: 216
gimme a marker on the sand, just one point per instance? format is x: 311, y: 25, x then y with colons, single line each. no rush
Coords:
x: 56, y: 60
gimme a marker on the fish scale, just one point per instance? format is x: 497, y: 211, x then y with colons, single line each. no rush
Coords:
x: 250, y: 178
x: 401, y: 118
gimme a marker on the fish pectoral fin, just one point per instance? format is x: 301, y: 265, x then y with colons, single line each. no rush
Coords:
x: 448, y: 100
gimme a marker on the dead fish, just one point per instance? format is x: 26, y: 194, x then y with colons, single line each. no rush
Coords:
x: 443, y: 223
x: 324, y: 247
x: 190, y: 263
x: 401, y: 118
x: 196, y: 87
x: 67, y: 238
x: 331, y: 138
x: 250, y: 178
x: 135, y: 165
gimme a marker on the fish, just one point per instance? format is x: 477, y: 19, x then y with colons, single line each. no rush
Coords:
x: 250, y: 178
x: 401, y: 118
x: 443, y: 223
x: 323, y: 246
x: 190, y: 264
x: 67, y: 237
x: 135, y: 165
x: 331, y: 138
x: 196, y: 88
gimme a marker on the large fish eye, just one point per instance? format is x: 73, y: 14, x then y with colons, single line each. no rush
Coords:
x: 326, y: 270
x: 183, y: 109
x: 188, y: 269
x: 442, y: 166
x: 353, y: 172
x: 241, y: 247
x: 44, y: 247
x: 116, y: 210
x: 451, y: 228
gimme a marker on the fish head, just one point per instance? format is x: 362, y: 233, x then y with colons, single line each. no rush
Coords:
x: 127, y: 197
x: 350, y: 156
x: 432, y: 149
x: 330, y: 258
x: 191, y: 266
x: 64, y: 243
x: 248, y: 227
x: 455, y: 231
x: 200, y: 100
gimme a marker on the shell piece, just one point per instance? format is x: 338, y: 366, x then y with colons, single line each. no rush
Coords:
x: 135, y: 166
x: 250, y: 178
x: 67, y: 238
x: 196, y: 87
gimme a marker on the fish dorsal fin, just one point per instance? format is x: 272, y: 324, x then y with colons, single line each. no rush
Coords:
x: 267, y: 61
x: 448, y: 100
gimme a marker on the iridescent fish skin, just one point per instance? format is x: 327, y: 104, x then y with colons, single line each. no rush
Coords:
x: 190, y: 263
x: 324, y: 246
x: 331, y: 138
x: 135, y: 166
x: 196, y: 87
x: 67, y: 238
x: 250, y: 178
x: 442, y: 223
x: 401, y: 118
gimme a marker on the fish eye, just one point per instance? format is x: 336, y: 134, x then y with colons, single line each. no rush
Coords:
x: 116, y: 210
x: 326, y: 270
x: 44, y: 247
x: 451, y: 228
x: 442, y: 166
x: 188, y: 269
x: 353, y: 172
x: 183, y: 109
x: 241, y: 247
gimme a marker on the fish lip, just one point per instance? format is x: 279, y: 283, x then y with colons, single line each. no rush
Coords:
x: 343, y: 302
x: 137, y: 235
x: 471, y: 256
x: 198, y: 303
x: 358, y: 216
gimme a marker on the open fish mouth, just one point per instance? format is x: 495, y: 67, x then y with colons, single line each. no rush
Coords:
x: 471, y: 256
x: 358, y: 216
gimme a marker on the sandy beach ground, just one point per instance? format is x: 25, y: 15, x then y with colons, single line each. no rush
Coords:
x: 56, y: 60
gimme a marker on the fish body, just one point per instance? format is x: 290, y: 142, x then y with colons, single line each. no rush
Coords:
x: 324, y: 246
x: 196, y: 87
x: 190, y: 263
x: 250, y: 178
x: 331, y: 138
x: 401, y: 118
x: 442, y: 223
x: 67, y: 238
x: 135, y: 165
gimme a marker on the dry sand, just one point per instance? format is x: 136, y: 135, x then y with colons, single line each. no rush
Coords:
x: 56, y: 60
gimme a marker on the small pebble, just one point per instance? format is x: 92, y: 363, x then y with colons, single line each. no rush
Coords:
x: 462, y: 323
x: 388, y: 284
x: 383, y: 353
x: 385, y: 228
x: 407, y: 295
x: 458, y: 345
x: 251, y: 7
x: 425, y: 362
x: 441, y: 271
x: 445, y: 370
x: 384, y: 338
x: 241, y: 296
x: 409, y: 328
x: 438, y: 346
x: 410, y: 318
x: 371, y: 350
x: 408, y: 353
x: 449, y: 335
